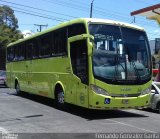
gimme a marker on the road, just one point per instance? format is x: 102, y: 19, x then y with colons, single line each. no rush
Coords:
x: 33, y: 114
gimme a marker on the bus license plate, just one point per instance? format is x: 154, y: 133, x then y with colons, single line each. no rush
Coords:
x: 125, y: 101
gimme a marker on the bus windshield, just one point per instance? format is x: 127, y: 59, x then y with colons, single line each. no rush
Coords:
x: 121, y: 54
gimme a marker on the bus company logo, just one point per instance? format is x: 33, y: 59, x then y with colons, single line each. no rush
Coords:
x: 125, y: 89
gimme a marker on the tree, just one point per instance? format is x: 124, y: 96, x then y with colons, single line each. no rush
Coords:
x: 8, y: 31
x: 8, y: 26
x: 8, y: 18
x: 8, y: 35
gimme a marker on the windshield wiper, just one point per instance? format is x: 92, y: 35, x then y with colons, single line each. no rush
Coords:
x: 117, y: 60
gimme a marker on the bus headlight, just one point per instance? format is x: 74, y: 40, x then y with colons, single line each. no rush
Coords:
x: 99, y: 90
x: 146, y: 91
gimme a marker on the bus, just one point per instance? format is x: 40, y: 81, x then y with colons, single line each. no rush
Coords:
x: 92, y: 63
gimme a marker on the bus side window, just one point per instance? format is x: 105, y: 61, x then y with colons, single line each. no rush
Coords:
x: 21, y: 52
x: 45, y: 45
x: 60, y: 42
x: 76, y: 29
x: 16, y: 51
x: 29, y: 50
x: 10, y: 54
x: 35, y: 49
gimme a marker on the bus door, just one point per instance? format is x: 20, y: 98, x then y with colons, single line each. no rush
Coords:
x: 79, y: 64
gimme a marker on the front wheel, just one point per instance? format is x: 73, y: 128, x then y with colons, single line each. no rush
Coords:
x: 60, y: 103
x: 60, y: 98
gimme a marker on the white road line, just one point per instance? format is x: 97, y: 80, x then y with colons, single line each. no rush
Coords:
x: 3, y: 130
x: 131, y: 126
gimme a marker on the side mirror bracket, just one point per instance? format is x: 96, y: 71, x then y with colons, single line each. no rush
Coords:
x: 83, y: 37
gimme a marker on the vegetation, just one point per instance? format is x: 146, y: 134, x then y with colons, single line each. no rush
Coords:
x: 8, y: 31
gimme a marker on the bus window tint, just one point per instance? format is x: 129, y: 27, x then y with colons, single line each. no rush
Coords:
x: 10, y: 54
x: 29, y: 50
x: 45, y: 45
x: 16, y: 50
x: 21, y: 52
x: 60, y: 42
x: 35, y: 49
x: 76, y: 29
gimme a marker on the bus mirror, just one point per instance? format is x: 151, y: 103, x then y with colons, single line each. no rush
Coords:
x: 90, y: 48
x: 91, y: 45
x: 80, y: 37
x: 83, y: 37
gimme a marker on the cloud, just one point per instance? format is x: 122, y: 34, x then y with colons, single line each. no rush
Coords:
x: 157, y: 31
x: 27, y: 33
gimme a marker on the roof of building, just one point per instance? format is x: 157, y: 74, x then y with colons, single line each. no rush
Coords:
x: 152, y: 12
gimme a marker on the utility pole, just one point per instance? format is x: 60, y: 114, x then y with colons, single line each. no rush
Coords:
x: 91, y: 8
x: 40, y: 27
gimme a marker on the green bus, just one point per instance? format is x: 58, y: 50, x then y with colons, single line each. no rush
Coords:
x: 92, y: 63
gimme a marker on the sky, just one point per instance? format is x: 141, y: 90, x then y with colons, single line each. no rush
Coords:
x: 53, y: 12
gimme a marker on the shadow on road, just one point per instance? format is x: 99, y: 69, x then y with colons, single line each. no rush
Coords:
x: 150, y: 110
x: 2, y: 86
x: 83, y: 112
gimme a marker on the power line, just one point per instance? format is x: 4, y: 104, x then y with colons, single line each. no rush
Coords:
x: 102, y: 12
x: 85, y: 9
x: 38, y: 14
x: 37, y: 8
x: 144, y: 1
x: 72, y: 6
x: 96, y: 11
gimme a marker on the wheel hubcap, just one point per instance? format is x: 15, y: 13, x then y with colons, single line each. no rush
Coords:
x: 61, y: 97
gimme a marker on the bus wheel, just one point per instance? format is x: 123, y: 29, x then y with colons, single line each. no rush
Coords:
x: 17, y: 87
x: 60, y: 103
x: 61, y: 97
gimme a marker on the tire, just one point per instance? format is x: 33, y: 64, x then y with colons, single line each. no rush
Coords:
x: 59, y: 99
x: 17, y: 87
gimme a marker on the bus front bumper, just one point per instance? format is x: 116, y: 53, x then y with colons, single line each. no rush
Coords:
x: 112, y: 103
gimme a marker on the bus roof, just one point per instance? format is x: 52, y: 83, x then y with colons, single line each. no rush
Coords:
x: 95, y: 20
x: 78, y: 20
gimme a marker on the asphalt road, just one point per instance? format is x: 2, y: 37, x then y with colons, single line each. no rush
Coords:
x: 33, y: 114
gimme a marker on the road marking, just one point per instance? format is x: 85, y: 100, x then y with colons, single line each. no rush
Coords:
x: 3, y: 130
x: 131, y: 126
